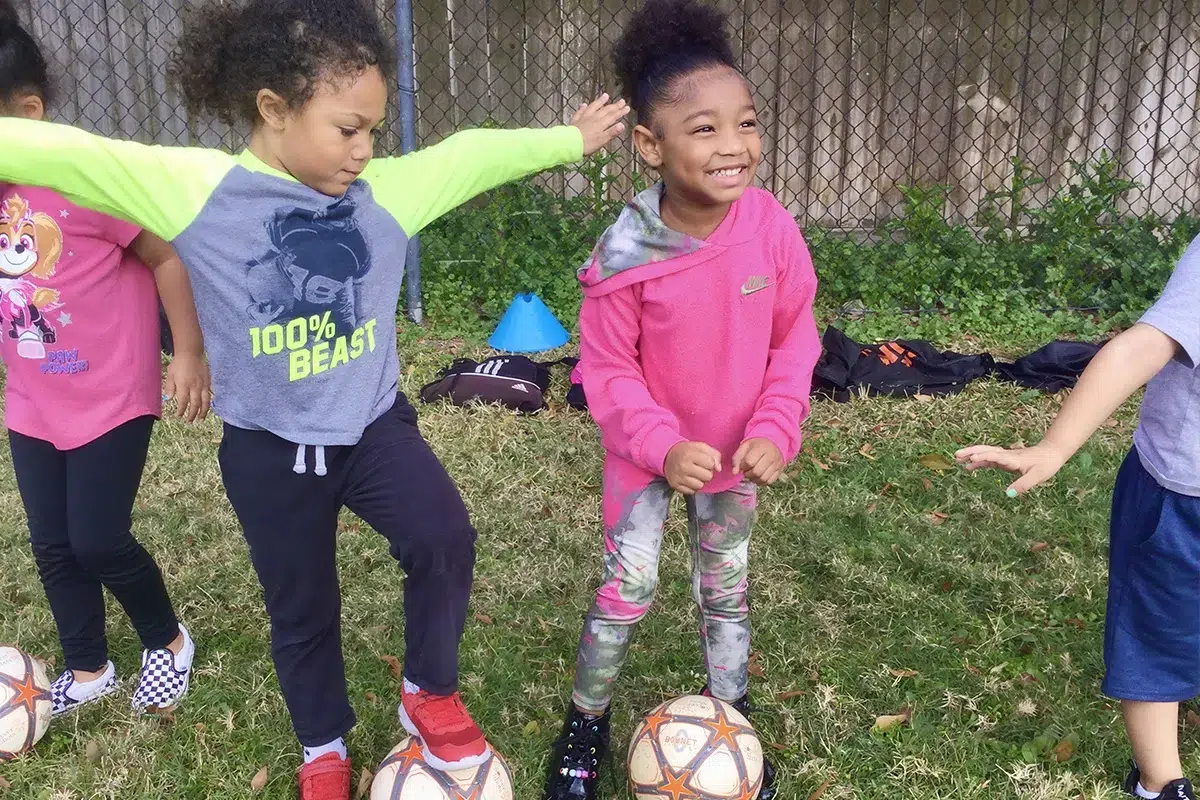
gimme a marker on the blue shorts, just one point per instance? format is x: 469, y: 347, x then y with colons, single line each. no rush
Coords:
x: 1152, y: 626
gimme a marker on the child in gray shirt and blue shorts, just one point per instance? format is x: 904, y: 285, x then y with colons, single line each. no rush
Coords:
x: 1152, y: 626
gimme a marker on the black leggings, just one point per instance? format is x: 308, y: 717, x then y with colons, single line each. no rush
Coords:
x: 80, y: 503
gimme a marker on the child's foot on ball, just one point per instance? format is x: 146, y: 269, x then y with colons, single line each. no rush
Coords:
x: 450, y: 739
x: 327, y: 778
x: 166, y: 673
x: 1180, y: 789
x: 575, y: 762
x: 68, y: 693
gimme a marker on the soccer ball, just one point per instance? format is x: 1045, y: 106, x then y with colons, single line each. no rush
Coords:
x: 24, y: 702
x: 404, y: 775
x: 698, y: 748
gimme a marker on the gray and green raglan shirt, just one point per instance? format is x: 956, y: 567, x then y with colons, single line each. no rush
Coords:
x: 296, y: 291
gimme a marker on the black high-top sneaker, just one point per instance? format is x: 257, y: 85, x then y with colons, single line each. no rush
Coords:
x: 1180, y: 789
x: 574, y: 769
x: 743, y: 707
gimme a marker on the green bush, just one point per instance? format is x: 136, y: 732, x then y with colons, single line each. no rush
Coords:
x: 1077, y: 252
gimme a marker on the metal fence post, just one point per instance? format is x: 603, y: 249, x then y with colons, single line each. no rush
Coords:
x: 408, y: 141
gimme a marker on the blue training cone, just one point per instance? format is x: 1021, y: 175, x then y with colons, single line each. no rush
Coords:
x: 528, y: 327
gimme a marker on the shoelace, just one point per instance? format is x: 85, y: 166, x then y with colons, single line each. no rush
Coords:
x: 581, y: 751
x: 442, y: 712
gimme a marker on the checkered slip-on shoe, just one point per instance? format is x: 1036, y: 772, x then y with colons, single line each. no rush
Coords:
x: 165, y: 677
x: 67, y: 694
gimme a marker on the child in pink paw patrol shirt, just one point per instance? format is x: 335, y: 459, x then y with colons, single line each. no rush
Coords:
x: 79, y: 339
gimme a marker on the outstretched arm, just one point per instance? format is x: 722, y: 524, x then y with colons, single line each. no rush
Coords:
x: 161, y: 189
x: 422, y: 186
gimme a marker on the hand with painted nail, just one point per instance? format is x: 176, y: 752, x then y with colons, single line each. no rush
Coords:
x: 1035, y: 465
x: 600, y: 122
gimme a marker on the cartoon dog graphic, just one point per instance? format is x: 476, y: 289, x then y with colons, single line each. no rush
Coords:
x: 30, y: 245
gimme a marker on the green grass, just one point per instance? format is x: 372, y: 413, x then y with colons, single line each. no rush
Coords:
x: 865, y: 562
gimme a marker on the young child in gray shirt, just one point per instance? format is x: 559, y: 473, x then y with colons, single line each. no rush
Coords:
x: 1152, y: 625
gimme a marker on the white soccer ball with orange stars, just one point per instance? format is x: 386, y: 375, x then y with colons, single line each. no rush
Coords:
x: 695, y: 748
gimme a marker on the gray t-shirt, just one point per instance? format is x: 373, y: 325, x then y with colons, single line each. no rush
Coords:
x: 1168, y: 436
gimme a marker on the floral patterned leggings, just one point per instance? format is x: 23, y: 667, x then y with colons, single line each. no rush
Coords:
x: 719, y: 534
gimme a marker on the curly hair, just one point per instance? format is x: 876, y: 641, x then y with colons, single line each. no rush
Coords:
x: 229, y: 51
x: 22, y: 65
x: 666, y: 40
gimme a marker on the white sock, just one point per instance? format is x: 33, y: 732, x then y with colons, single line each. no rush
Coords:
x: 410, y: 687
x: 338, y: 746
x: 83, y: 690
x: 1142, y: 791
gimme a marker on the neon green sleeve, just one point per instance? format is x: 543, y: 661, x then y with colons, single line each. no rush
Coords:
x: 161, y: 189
x: 418, y: 188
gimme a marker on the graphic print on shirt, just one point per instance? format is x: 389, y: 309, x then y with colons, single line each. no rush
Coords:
x: 31, y: 244
x: 303, y: 292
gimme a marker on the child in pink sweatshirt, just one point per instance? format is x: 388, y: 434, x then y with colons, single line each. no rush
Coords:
x: 698, y: 350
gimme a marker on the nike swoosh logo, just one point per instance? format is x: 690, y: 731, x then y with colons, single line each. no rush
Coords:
x: 752, y: 286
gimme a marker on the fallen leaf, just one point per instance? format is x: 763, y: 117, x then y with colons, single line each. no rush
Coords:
x: 904, y: 673
x: 4, y: 784
x: 974, y: 670
x: 364, y: 784
x: 259, y: 781
x: 370, y: 696
x: 937, y: 462
x: 1063, y: 750
x: 756, y: 670
x: 871, y: 508
x: 394, y: 665
x: 1193, y: 719
x: 887, y: 487
x: 821, y: 465
x: 1078, y: 624
x: 813, y: 676
x: 888, y: 721
x: 922, y: 398
x: 1109, y: 423
x: 94, y: 751
x: 928, y: 484
x: 531, y: 728
x: 820, y: 790
x: 1038, y: 547
x: 938, y: 517
x: 947, y: 586
x: 865, y: 452
x: 785, y: 696
x: 1027, y: 679
x: 776, y: 746
x: 483, y: 619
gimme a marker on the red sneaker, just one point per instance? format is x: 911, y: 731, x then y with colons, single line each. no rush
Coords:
x: 450, y: 739
x: 327, y: 778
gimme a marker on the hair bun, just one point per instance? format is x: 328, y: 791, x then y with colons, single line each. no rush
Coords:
x: 662, y: 29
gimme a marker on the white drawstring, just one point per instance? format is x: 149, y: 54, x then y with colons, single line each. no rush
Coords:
x: 300, y: 467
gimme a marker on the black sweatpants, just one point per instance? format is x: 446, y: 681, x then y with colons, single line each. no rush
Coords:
x: 80, y: 505
x: 395, y: 483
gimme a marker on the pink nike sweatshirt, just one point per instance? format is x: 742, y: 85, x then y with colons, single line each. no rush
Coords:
x: 686, y: 340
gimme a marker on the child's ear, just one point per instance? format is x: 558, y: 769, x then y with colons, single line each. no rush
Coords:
x: 648, y: 145
x: 29, y: 106
x: 273, y: 109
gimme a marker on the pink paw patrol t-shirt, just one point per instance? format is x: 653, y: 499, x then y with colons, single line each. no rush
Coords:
x: 78, y: 320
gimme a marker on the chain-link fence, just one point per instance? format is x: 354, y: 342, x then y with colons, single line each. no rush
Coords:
x: 858, y: 97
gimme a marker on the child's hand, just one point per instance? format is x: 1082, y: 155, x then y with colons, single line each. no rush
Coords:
x: 690, y: 465
x: 600, y: 122
x: 760, y: 461
x: 189, y: 383
x: 1036, y: 465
